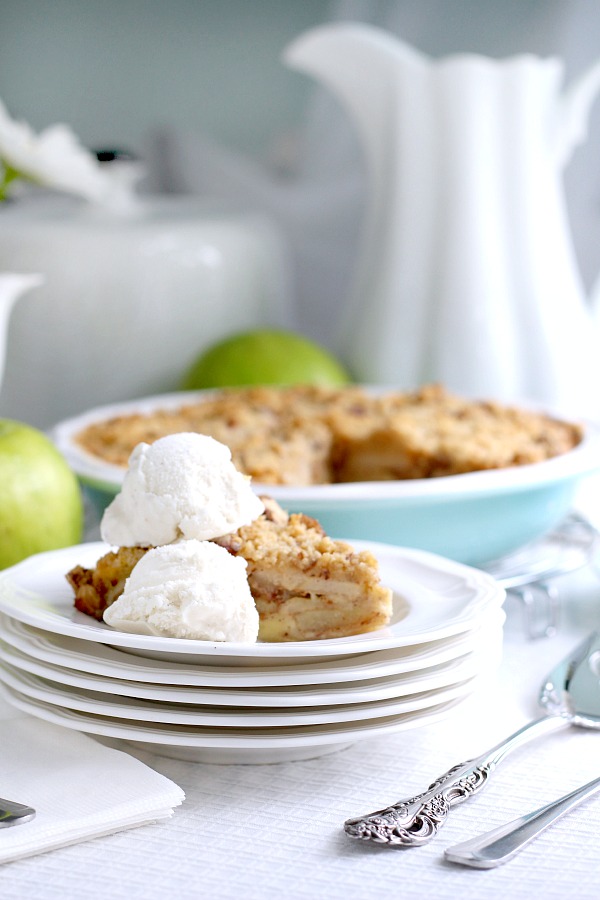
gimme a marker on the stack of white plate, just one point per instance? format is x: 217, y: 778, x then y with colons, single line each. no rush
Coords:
x: 249, y: 703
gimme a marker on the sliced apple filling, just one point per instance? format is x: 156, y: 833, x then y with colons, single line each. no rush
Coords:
x: 306, y: 585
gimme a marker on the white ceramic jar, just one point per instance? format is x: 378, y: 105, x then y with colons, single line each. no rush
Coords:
x: 129, y: 300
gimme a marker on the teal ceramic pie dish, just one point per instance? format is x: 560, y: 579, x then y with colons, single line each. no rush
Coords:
x: 472, y: 518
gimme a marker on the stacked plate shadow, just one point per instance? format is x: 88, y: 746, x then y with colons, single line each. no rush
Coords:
x: 249, y: 703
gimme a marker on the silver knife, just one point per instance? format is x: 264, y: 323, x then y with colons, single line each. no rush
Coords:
x: 12, y: 813
x: 499, y: 845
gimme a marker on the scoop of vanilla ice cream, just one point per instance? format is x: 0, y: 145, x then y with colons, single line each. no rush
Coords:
x: 180, y: 487
x: 190, y: 589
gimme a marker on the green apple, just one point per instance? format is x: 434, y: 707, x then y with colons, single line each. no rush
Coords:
x: 40, y: 499
x: 265, y: 356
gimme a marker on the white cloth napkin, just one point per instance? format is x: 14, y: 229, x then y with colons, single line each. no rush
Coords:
x: 79, y: 788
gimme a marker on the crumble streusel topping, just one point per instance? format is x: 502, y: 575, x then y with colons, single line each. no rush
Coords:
x: 314, y: 435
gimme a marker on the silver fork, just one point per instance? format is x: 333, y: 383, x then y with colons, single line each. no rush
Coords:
x: 12, y: 813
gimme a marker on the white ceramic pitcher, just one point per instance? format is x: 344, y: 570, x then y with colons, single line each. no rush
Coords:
x: 467, y: 273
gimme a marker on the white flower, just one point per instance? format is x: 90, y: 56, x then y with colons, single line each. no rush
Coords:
x: 56, y: 159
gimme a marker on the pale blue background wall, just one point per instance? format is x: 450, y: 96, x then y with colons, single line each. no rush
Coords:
x: 114, y: 69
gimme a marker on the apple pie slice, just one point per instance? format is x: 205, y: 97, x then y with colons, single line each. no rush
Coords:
x: 306, y: 585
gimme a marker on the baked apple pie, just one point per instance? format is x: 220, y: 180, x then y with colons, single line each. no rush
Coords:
x: 306, y: 435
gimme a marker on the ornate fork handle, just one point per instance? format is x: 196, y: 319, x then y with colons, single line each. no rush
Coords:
x: 413, y: 822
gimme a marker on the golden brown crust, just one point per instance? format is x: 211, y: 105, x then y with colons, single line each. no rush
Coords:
x: 433, y: 433
x: 313, y: 435
x: 95, y: 589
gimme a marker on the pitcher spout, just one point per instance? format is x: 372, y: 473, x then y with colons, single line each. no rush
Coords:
x: 339, y: 55
x: 12, y: 286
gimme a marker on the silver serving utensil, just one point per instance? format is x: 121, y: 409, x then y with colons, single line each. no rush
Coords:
x: 12, y: 813
x: 570, y: 695
x: 499, y: 845
x: 527, y: 573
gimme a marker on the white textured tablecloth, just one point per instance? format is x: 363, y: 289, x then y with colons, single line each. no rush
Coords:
x: 260, y: 832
